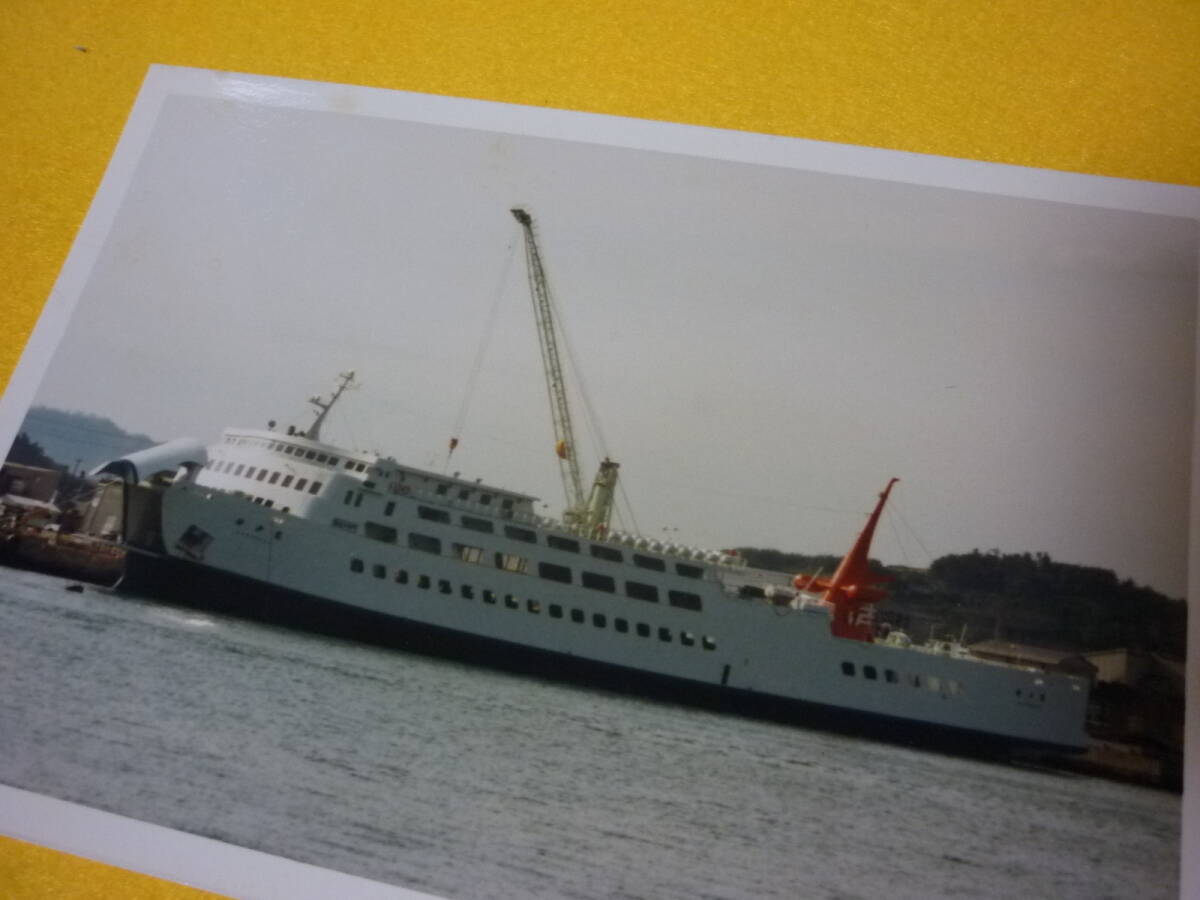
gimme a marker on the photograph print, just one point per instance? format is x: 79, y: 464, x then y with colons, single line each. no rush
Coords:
x: 500, y: 502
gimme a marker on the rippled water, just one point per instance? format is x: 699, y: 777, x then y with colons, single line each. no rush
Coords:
x: 470, y: 783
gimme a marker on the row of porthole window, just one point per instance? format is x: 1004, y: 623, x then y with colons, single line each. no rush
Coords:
x: 559, y: 542
x: 553, y: 610
x: 511, y: 562
x: 270, y: 477
x: 315, y: 456
x: 948, y: 686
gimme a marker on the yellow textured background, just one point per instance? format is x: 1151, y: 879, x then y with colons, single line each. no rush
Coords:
x: 1108, y: 87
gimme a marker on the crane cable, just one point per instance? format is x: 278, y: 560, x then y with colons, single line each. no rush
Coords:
x: 489, y: 329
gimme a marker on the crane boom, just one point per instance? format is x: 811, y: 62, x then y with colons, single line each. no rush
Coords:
x: 588, y: 513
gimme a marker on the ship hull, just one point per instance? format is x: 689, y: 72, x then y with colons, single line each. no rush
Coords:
x: 185, y: 582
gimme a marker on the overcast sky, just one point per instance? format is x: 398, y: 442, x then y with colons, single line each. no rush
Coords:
x: 763, y: 347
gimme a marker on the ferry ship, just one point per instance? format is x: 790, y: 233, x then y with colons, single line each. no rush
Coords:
x: 290, y: 517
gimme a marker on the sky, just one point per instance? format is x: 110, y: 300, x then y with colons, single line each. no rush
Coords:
x: 763, y: 347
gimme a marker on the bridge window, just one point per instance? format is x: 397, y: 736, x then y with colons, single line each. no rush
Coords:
x: 598, y: 582
x: 684, y: 600
x: 612, y: 555
x: 639, y: 591
x: 520, y: 534
x: 552, y: 572
x: 510, y: 562
x: 562, y: 543
x: 424, y: 543
x: 377, y: 532
x: 649, y: 562
x: 433, y: 515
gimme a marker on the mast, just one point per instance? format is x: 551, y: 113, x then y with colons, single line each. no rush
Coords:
x: 314, y: 431
x: 853, y: 590
x: 588, y: 514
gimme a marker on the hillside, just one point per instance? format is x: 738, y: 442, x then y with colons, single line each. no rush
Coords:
x: 1022, y: 597
x: 79, y: 439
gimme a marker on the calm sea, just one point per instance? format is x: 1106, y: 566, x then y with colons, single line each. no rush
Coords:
x: 469, y: 783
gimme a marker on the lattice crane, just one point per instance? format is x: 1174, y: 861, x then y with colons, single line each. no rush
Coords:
x: 590, y: 514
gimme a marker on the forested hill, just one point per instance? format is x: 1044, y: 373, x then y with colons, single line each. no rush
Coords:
x: 1023, y: 597
x: 80, y: 440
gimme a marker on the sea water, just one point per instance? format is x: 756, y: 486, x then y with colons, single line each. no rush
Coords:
x: 471, y: 783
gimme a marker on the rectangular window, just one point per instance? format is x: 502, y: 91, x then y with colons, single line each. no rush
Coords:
x: 401, y: 576
x: 612, y: 555
x: 684, y: 600
x: 598, y: 582
x: 433, y: 515
x: 687, y: 639
x: 468, y: 592
x: 464, y: 494
x: 485, y: 499
x: 379, y: 571
x: 444, y: 586
x: 599, y: 620
x: 889, y: 675
x: 551, y: 572
x: 468, y: 554
x: 356, y: 565
x: 621, y: 625
x: 315, y: 487
x: 349, y: 498
x: 289, y: 449
x: 555, y: 611
x: 643, y: 630
x: 250, y: 472
x: 333, y: 461
x: 311, y: 454
x: 689, y: 571
x: 377, y: 532
x: 649, y: 562
x: 708, y: 643
x: 511, y: 602
x: 510, y: 562
x: 476, y: 524
x: 489, y: 596
x: 533, y: 606
x: 578, y: 616
x: 238, y: 470
x: 262, y: 474
x: 423, y: 582
x: 520, y: 534
x: 390, y: 508
x: 274, y: 478
x: 349, y: 462
x: 357, y: 499
x: 344, y: 525
x: 664, y: 635
x: 301, y: 483
x: 870, y: 673
x: 639, y: 591
x: 562, y: 543
x: 847, y: 668
x: 442, y: 490
x: 322, y: 458
x: 424, y: 543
